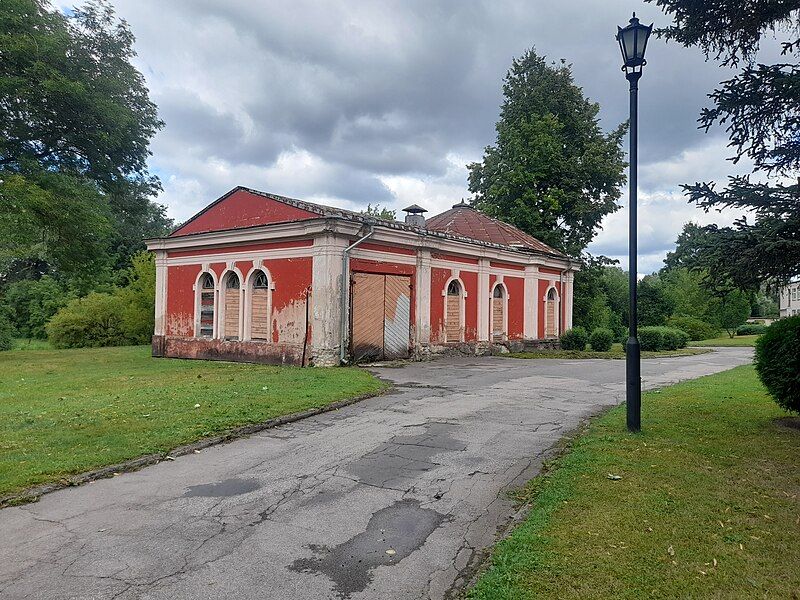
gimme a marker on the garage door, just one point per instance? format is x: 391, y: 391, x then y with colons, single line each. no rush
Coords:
x: 380, y: 316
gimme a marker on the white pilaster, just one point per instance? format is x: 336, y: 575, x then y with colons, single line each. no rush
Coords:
x: 423, y: 298
x: 569, y: 280
x: 530, y: 313
x: 483, y: 300
x: 326, y: 277
x: 161, y: 293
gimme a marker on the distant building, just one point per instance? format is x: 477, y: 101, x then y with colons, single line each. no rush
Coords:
x: 790, y: 300
x: 263, y: 278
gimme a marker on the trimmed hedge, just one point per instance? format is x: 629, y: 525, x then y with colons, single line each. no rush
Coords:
x: 778, y: 362
x: 574, y: 339
x: 751, y: 329
x: 655, y: 339
x: 697, y: 329
x: 601, y: 340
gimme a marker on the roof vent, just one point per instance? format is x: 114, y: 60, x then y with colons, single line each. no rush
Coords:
x: 462, y: 204
x: 414, y: 215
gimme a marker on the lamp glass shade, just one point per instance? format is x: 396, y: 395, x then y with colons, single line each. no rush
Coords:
x: 633, y: 42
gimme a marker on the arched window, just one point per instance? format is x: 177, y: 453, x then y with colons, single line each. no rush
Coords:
x: 259, y: 307
x: 206, y: 306
x: 232, y: 303
x: 498, y: 312
x: 551, y: 314
x: 453, y: 312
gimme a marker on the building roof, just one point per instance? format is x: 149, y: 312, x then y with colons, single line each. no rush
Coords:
x: 462, y: 222
x: 466, y: 221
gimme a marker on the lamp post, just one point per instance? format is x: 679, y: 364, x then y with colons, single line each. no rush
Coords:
x: 632, y: 42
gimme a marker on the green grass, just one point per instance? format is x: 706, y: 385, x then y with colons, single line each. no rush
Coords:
x: 67, y: 411
x: 616, y: 352
x: 728, y: 342
x: 707, y: 506
x: 30, y: 344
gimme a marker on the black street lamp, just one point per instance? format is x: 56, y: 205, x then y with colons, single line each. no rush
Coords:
x: 632, y: 42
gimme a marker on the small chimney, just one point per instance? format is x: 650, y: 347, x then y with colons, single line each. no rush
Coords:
x: 414, y: 216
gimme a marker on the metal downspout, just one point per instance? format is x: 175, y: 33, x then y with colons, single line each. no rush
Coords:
x: 345, y: 296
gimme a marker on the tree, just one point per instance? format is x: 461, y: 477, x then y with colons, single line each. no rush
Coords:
x: 760, y: 107
x: 75, y: 127
x: 600, y: 296
x: 552, y: 171
x: 31, y: 303
x: 734, y: 311
x: 688, y: 294
x: 380, y: 212
x: 655, y: 305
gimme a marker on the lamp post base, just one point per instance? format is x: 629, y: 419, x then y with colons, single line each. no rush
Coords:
x: 633, y: 385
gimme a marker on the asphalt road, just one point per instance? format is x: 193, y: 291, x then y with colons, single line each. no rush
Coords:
x: 395, y: 497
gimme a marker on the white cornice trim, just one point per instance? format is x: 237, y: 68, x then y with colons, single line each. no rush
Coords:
x: 430, y: 241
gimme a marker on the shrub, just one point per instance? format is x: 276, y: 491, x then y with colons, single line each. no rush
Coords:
x: 674, y: 338
x: 121, y: 318
x: 751, y: 329
x: 33, y: 303
x: 697, y: 329
x: 601, y: 340
x: 662, y: 338
x: 6, y: 332
x: 574, y: 339
x: 778, y: 362
x: 138, y: 298
x: 93, y: 321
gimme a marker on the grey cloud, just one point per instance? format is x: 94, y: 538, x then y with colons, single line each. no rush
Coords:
x: 394, y: 89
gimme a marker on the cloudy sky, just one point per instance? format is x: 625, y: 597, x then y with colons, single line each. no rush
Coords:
x: 350, y: 102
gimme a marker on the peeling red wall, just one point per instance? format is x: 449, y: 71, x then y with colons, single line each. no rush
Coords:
x: 180, y: 299
x: 243, y: 209
x: 470, y: 280
x: 516, y: 306
x: 438, y: 279
x: 390, y: 249
x: 454, y: 258
x: 241, y: 248
x: 292, y: 276
x: 499, y: 265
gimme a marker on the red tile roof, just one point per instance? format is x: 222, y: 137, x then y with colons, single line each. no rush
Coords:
x: 466, y: 221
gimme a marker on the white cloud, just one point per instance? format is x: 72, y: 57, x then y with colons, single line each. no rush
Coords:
x: 385, y: 102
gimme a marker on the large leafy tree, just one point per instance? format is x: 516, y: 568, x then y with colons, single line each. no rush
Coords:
x: 760, y: 108
x: 552, y: 171
x: 75, y: 126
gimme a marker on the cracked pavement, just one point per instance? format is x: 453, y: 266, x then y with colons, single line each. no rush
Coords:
x: 397, y: 496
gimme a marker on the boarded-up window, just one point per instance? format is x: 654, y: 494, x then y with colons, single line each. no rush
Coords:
x: 551, y: 314
x: 259, y: 307
x: 453, y: 312
x: 498, y: 310
x: 381, y: 316
x: 232, y: 294
x: 206, y: 306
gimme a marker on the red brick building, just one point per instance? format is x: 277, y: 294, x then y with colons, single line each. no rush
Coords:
x: 264, y: 278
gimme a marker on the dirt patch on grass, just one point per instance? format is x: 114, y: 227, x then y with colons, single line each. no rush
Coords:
x: 788, y: 422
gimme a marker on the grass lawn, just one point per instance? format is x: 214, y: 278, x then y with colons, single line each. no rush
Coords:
x: 707, y: 505
x: 616, y: 352
x: 30, y: 344
x: 728, y: 342
x: 68, y: 411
